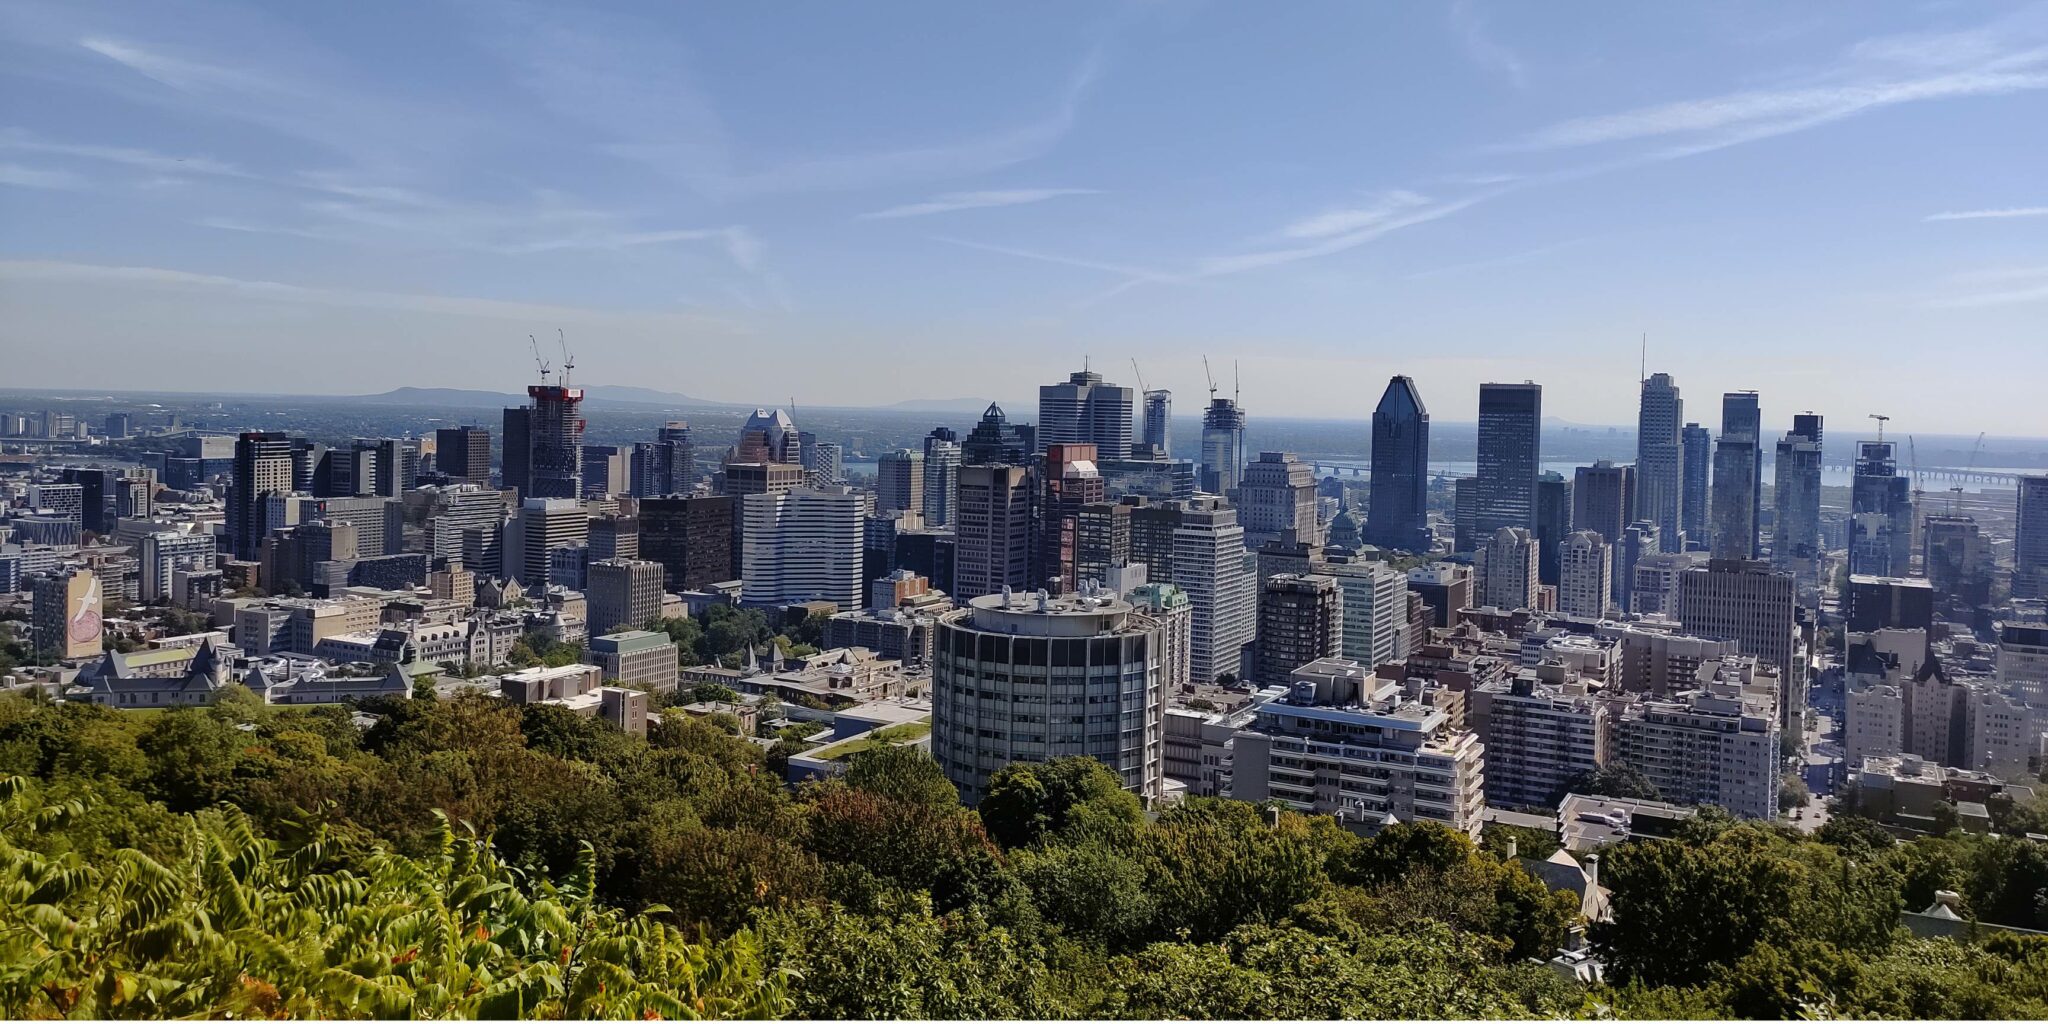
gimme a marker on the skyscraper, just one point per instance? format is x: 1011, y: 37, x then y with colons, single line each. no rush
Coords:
x: 1553, y: 522
x: 607, y: 470
x: 532, y: 535
x: 1397, y: 515
x: 1738, y: 477
x: 1223, y: 451
x: 1071, y: 482
x: 941, y: 477
x: 1211, y: 566
x: 1881, y: 511
x: 1277, y: 500
x: 463, y: 453
x: 1795, y: 496
x: 993, y: 543
x: 1510, y: 447
x: 1660, y: 460
x: 1756, y: 606
x: 1586, y: 574
x: 555, y: 440
x: 1301, y: 619
x: 1159, y: 423
x: 1507, y: 569
x: 517, y: 457
x: 899, y: 481
x: 1638, y: 542
x: 994, y: 441
x: 622, y: 593
x: 263, y: 466
x: 1699, y: 461
x: 692, y: 538
x: 1604, y: 499
x: 803, y: 545
x: 2030, y: 538
x: 1085, y: 410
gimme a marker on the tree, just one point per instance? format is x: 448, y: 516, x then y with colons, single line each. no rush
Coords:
x: 1792, y: 793
x: 1616, y: 778
x: 902, y: 773
x: 1026, y: 800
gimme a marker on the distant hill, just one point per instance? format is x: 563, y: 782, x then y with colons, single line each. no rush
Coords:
x: 973, y: 405
x: 596, y: 395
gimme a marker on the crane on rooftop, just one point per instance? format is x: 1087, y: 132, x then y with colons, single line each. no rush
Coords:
x: 1880, y: 418
x: 545, y: 369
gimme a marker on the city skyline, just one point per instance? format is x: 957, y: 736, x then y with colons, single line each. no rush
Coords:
x: 206, y: 196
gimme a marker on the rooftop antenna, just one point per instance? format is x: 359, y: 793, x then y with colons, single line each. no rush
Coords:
x: 1643, y: 368
x: 1880, y: 418
x: 568, y: 361
x: 1236, y: 385
x: 542, y: 363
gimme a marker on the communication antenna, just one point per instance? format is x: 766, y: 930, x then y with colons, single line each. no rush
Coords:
x: 568, y: 361
x: 542, y: 363
x: 1236, y: 385
x: 1643, y: 369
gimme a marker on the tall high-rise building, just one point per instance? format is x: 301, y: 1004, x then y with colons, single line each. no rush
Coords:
x: 1881, y: 511
x: 1086, y: 410
x: 1158, y: 440
x: 1738, y: 477
x: 2030, y: 538
x: 1660, y: 462
x: 1553, y: 522
x: 682, y: 455
x: 899, y: 481
x: 263, y: 466
x: 1301, y: 619
x: 1211, y: 565
x: 65, y: 619
x: 1586, y: 575
x: 167, y: 552
x: 769, y: 437
x: 1795, y: 497
x: 1604, y: 499
x: 1223, y: 450
x: 532, y: 535
x: 1397, y: 515
x: 1695, y: 510
x: 941, y: 477
x: 1102, y: 540
x: 621, y: 593
x: 1020, y: 679
x: 1510, y: 448
x: 1277, y: 500
x: 993, y: 541
x: 1507, y: 569
x: 1638, y: 542
x: 614, y: 537
x: 1465, y: 514
x: 518, y: 455
x: 555, y: 441
x: 1755, y: 606
x: 607, y: 470
x: 464, y: 453
x: 828, y: 467
x: 692, y: 538
x: 995, y: 441
x: 1375, y: 602
x: 803, y: 545
x: 1071, y: 482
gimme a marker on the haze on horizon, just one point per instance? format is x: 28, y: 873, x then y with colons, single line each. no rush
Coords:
x: 1841, y: 208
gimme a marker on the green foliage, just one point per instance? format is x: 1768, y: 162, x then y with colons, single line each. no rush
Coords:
x: 1028, y: 800
x: 230, y: 924
x: 710, y: 693
x: 1616, y: 778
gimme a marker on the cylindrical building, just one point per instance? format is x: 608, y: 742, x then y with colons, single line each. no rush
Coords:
x: 1027, y: 677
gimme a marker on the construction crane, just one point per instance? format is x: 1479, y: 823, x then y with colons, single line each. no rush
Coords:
x: 1212, y: 378
x: 568, y: 360
x: 545, y: 369
x: 1140, y: 373
x: 1956, y: 492
x: 1880, y: 418
x: 1913, y: 463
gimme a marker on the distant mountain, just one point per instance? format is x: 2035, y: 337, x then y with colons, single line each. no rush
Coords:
x: 625, y: 394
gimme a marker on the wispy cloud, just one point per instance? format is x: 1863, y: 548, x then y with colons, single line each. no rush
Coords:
x: 38, y: 177
x: 1120, y: 269
x: 51, y: 271
x: 1872, y: 75
x: 141, y: 159
x: 1483, y: 48
x: 1336, y: 231
x: 2001, y: 214
x: 952, y: 202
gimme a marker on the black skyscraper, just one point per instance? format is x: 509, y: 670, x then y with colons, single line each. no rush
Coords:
x: 518, y: 456
x: 1398, y: 514
x: 994, y: 442
x: 1510, y: 447
x: 464, y: 453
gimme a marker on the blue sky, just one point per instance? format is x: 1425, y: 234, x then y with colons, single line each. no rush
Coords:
x: 1844, y: 206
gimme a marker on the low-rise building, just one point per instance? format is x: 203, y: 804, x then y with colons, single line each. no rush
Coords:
x: 636, y: 658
